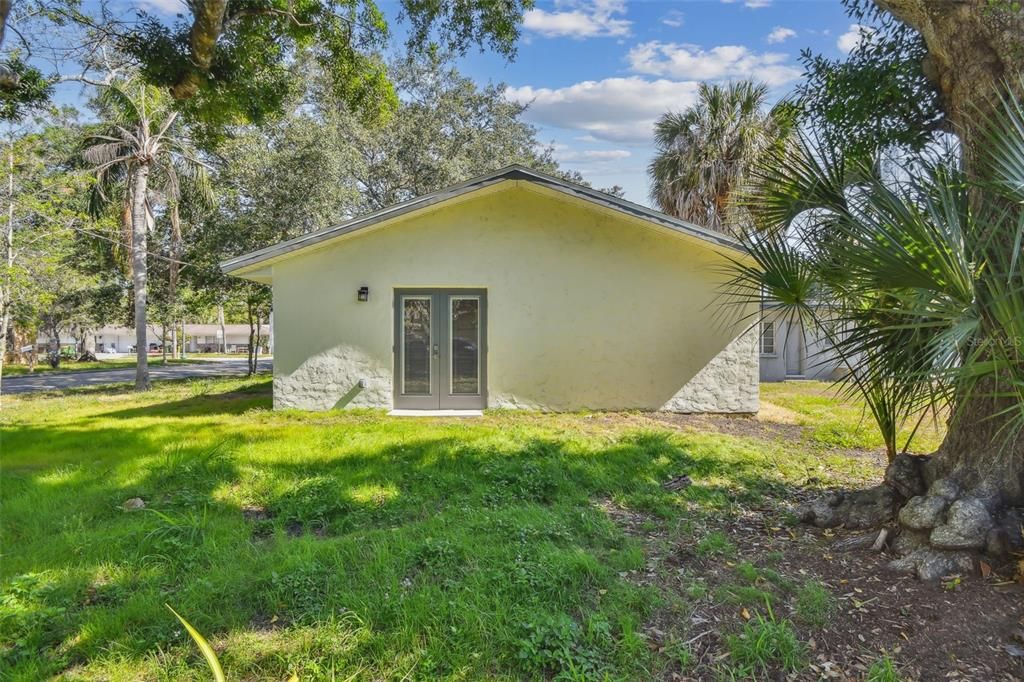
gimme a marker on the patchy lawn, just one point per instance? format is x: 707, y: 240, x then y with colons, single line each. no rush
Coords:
x: 357, y: 546
x: 839, y: 423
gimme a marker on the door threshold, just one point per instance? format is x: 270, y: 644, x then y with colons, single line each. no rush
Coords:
x: 436, y: 413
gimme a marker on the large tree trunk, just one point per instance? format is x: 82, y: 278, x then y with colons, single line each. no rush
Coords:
x: 139, y: 273
x: 960, y: 500
x: 207, y: 25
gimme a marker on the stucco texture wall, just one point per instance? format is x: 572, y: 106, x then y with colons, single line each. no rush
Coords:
x: 586, y: 309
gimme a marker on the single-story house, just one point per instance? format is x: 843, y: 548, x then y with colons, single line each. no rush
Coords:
x: 201, y: 338
x: 514, y: 289
x: 792, y: 350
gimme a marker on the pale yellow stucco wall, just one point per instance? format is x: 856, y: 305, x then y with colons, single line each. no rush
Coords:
x: 587, y: 309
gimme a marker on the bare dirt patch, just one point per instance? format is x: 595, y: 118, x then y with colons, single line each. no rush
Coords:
x: 733, y: 425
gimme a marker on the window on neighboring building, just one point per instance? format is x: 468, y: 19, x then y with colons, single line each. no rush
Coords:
x: 767, y: 338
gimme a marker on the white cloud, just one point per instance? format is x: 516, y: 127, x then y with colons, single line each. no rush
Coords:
x: 565, y: 154
x: 757, y: 4
x: 614, y: 109
x: 674, y: 19
x: 780, y: 34
x: 585, y: 19
x: 723, y: 62
x: 857, y: 34
x: 168, y: 7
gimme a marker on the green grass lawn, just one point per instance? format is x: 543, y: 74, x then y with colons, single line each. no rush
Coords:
x: 349, y: 545
x: 845, y: 422
x: 73, y: 366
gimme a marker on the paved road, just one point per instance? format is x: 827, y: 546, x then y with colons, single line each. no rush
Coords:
x: 48, y: 381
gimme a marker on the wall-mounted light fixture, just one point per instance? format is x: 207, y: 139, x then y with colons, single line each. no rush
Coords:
x: 363, y: 294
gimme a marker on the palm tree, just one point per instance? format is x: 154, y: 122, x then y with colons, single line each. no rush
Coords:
x: 705, y: 152
x: 923, y: 280
x: 143, y: 142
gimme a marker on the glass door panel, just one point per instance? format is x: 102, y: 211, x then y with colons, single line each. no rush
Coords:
x: 417, y: 363
x: 464, y: 333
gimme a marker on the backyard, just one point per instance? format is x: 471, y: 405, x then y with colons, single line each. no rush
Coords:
x: 352, y: 545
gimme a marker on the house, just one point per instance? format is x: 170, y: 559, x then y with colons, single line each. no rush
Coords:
x: 790, y: 349
x: 514, y: 289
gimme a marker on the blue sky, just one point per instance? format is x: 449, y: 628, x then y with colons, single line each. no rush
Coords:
x: 597, y: 73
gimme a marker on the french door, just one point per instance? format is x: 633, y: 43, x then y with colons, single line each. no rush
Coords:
x: 440, y: 349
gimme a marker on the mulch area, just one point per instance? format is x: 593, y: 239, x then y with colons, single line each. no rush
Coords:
x: 970, y: 628
x: 961, y: 628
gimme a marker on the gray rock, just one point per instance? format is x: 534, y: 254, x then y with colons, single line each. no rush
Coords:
x: 967, y: 525
x: 997, y: 543
x: 909, y: 541
x: 989, y: 494
x: 905, y: 474
x: 932, y: 564
x: 945, y: 487
x: 133, y: 504
x: 923, y: 512
x: 859, y: 510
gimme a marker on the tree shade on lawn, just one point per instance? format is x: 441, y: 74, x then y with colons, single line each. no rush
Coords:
x: 351, y: 543
x: 922, y: 276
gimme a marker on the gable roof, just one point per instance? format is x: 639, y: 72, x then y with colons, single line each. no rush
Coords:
x: 240, y: 264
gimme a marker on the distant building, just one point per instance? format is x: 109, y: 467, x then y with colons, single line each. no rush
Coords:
x: 199, y: 338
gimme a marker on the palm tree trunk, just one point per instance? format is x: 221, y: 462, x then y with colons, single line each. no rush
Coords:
x: 223, y: 334
x: 5, y: 296
x: 140, y: 273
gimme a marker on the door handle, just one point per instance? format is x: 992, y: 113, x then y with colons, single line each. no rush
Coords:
x: 437, y: 351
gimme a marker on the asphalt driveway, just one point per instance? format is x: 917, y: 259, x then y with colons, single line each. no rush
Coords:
x: 49, y: 381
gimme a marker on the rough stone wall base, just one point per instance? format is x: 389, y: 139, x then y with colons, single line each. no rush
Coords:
x: 727, y: 384
x: 331, y: 379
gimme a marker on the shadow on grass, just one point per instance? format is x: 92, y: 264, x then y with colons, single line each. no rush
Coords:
x: 477, y: 526
x: 235, y: 401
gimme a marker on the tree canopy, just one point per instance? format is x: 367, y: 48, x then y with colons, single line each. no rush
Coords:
x: 229, y: 61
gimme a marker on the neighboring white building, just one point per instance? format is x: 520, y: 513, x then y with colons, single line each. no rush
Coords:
x: 514, y: 289
x: 200, y: 338
x: 789, y: 350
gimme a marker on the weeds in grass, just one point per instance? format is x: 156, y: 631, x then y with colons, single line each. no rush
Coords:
x: 715, y: 543
x: 765, y: 644
x: 556, y: 646
x: 680, y: 654
x: 814, y: 604
x: 883, y: 670
x: 301, y: 592
x: 176, y: 537
x: 747, y: 571
x: 744, y: 595
x: 28, y: 618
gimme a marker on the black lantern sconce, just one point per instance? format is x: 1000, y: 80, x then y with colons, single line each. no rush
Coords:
x: 363, y: 295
